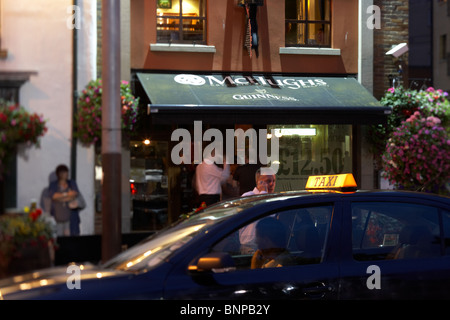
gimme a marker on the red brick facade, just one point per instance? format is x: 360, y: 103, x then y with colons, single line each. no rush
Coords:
x: 394, y: 30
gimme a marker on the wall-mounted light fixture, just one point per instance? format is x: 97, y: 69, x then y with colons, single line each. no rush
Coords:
x: 305, y: 132
x: 295, y: 132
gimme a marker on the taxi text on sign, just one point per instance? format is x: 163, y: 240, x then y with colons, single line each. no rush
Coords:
x: 331, y: 181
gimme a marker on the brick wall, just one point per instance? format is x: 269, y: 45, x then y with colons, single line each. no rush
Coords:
x: 394, y: 30
x: 99, y: 39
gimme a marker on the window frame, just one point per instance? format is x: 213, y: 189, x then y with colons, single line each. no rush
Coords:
x: 180, y: 28
x: 307, y: 23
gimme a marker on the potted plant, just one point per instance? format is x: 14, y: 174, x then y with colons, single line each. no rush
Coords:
x: 26, y: 242
x: 417, y: 152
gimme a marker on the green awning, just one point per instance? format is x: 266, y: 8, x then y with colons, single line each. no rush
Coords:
x: 259, y: 99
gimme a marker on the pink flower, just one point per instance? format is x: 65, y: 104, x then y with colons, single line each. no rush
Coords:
x: 391, y: 90
x: 434, y: 120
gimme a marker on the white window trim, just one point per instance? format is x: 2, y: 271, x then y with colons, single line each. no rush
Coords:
x: 182, y: 47
x: 311, y: 51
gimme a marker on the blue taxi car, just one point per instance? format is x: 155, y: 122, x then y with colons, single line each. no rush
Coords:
x: 315, y: 244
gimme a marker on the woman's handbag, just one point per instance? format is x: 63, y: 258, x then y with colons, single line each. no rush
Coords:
x: 77, y: 203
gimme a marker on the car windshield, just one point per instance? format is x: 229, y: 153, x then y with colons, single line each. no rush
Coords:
x: 160, y: 246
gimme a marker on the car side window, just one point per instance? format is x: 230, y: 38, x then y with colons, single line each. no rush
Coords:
x: 291, y: 237
x: 389, y: 230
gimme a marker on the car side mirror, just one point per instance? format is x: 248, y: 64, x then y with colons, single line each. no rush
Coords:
x: 215, y: 262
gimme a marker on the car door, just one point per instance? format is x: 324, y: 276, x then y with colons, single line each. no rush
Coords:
x: 293, y: 256
x: 393, y: 248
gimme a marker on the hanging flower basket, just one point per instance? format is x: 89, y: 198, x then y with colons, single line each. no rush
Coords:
x: 18, y: 126
x: 89, y: 115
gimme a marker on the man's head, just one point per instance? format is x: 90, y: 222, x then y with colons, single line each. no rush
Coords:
x: 265, y: 180
x: 270, y: 234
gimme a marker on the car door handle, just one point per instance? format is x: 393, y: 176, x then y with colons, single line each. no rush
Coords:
x: 317, y: 290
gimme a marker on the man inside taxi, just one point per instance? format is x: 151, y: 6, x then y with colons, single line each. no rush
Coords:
x: 271, y: 243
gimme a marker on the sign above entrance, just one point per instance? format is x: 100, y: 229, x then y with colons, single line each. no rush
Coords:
x: 257, y: 94
x: 218, y: 93
x: 239, y: 89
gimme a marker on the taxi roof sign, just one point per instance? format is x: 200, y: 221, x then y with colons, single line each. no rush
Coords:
x: 336, y: 181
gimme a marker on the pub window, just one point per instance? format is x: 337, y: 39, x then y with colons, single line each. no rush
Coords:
x: 308, y: 23
x: 181, y: 21
x: 306, y: 150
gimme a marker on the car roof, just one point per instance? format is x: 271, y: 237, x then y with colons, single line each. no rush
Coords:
x: 254, y: 200
x: 326, y: 187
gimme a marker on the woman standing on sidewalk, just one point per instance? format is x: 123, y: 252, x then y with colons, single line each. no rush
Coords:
x: 66, y: 203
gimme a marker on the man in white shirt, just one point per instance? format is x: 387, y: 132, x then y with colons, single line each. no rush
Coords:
x: 247, y: 234
x: 209, y: 179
